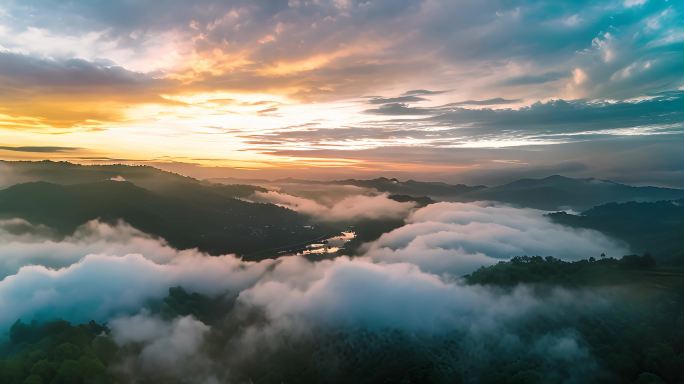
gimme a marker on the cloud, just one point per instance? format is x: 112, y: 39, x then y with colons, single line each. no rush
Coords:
x: 561, y: 117
x: 99, y: 287
x: 514, y: 51
x: 322, y: 192
x: 351, y: 208
x: 58, y: 75
x: 359, y: 47
x: 634, y: 3
x: 67, y: 92
x: 267, y: 110
x: 341, y: 52
x: 172, y: 347
x: 599, y: 138
x: 381, y: 302
x: 36, y: 149
x: 626, y: 159
x: 292, y: 305
x: 399, y: 99
x: 359, y: 293
x: 43, y: 278
x: 534, y: 79
x: 399, y: 109
x: 451, y: 125
x: 457, y: 238
x: 28, y: 244
x: 356, y: 293
x: 422, y: 92
x: 104, y: 270
x: 493, y: 101
x: 21, y: 230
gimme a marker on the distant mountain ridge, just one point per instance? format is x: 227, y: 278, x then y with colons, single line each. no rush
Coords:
x: 557, y: 192
x: 412, y: 187
x: 63, y: 172
x: 549, y: 193
x: 381, y: 184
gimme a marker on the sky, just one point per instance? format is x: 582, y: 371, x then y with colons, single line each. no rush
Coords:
x: 464, y: 91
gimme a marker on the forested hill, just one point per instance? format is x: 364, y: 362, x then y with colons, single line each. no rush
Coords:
x: 207, y: 217
x: 656, y: 227
x: 629, y: 330
x: 150, y: 178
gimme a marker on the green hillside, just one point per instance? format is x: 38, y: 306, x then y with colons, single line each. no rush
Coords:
x: 206, y: 217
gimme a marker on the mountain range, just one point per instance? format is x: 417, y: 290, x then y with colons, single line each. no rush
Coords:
x: 549, y: 193
x: 214, y: 218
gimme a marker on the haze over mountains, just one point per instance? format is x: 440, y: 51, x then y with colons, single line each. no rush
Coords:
x: 549, y: 193
x: 221, y: 218
x: 557, y: 192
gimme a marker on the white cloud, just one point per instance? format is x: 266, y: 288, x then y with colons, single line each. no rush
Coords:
x: 605, y: 45
x: 168, y: 345
x: 579, y: 77
x: 326, y: 194
x: 458, y: 238
x: 106, y: 280
x: 103, y: 270
x: 350, y: 208
x: 355, y: 292
x: 27, y: 244
x: 634, y: 3
x: 572, y: 20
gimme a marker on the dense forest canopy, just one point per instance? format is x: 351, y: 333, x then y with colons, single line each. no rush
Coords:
x: 634, y: 335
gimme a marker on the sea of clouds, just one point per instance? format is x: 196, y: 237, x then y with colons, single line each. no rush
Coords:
x: 408, y: 280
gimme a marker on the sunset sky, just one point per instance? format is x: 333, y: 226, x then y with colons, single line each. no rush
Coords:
x: 476, y: 91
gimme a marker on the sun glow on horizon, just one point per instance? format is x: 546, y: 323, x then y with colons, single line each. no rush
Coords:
x: 376, y: 86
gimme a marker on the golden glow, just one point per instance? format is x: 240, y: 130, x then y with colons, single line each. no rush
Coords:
x: 280, y: 68
x: 202, y: 102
